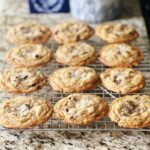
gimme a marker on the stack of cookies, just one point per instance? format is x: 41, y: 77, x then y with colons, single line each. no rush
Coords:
x: 77, y: 108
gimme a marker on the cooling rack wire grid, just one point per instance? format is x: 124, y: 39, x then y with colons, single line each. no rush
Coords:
x: 105, y: 124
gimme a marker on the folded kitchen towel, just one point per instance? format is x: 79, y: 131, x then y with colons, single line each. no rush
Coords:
x: 48, y: 6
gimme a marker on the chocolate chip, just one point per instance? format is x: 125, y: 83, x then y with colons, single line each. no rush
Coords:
x: 9, y: 109
x: 25, y: 30
x: 39, y: 87
x: 67, y: 109
x: 37, y: 56
x: 57, y: 32
x: 84, y: 53
x: 7, y: 148
x: 131, y: 71
x: 28, y: 106
x: 131, y: 32
x: 20, y: 78
x: 123, y: 27
x: 78, y: 37
x: 25, y: 77
x: 116, y: 80
x: 117, y: 35
x: 118, y: 52
x: 109, y: 29
x: 72, y: 117
x: 34, y: 84
x: 128, y: 108
x: 42, y: 31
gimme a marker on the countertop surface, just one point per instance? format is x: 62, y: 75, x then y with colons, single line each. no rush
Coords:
x: 16, y: 11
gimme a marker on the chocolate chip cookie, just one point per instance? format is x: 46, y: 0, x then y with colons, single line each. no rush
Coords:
x: 72, y: 31
x: 131, y: 111
x: 29, y: 55
x: 21, y: 80
x: 28, y: 33
x: 116, y: 32
x: 120, y: 55
x: 81, y: 109
x: 122, y: 80
x: 73, y: 79
x: 75, y: 54
x: 24, y: 112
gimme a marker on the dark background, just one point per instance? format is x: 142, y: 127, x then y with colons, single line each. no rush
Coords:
x: 145, y: 6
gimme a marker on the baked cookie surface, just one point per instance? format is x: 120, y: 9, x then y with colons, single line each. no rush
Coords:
x: 72, y: 31
x: 131, y: 111
x: 73, y: 79
x: 81, y: 108
x: 75, y: 54
x: 120, y: 55
x: 116, y: 32
x: 28, y: 33
x: 122, y: 80
x: 24, y: 112
x: 29, y: 55
x: 21, y: 80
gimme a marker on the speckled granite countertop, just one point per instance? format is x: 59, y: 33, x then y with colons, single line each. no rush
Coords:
x: 74, y: 141
x: 15, y: 11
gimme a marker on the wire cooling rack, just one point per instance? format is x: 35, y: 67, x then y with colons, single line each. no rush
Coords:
x: 106, y: 124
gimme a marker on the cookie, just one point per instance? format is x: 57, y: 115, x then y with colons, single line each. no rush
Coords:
x: 72, y: 31
x: 73, y: 79
x: 21, y: 80
x: 131, y: 111
x: 28, y: 33
x: 81, y: 109
x: 75, y: 54
x: 29, y: 55
x: 122, y: 80
x: 24, y: 112
x: 116, y: 32
x: 120, y: 55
